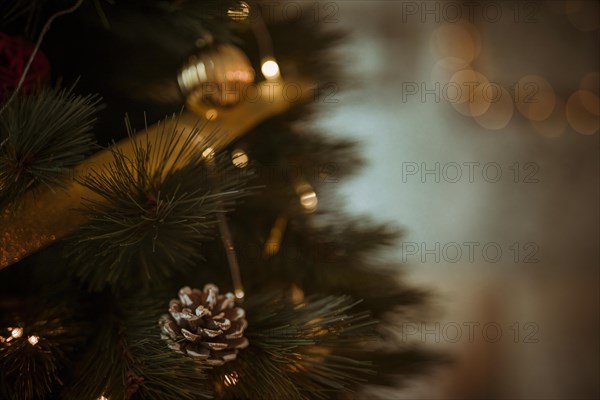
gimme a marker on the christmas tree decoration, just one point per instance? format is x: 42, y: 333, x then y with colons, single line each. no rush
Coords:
x: 139, y: 207
x: 42, y: 137
x: 270, y: 68
x: 300, y: 348
x: 51, y: 215
x: 218, y: 75
x: 239, y: 12
x: 34, y: 354
x: 239, y: 158
x: 218, y: 175
x: 205, y: 325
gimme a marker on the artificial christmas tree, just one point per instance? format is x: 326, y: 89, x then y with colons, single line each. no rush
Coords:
x: 95, y: 245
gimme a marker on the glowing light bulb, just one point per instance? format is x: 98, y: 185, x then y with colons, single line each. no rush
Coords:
x: 309, y: 201
x: 208, y: 153
x: 33, y: 340
x: 239, y: 158
x: 211, y: 114
x: 231, y: 379
x: 239, y: 294
x: 16, y: 333
x: 270, y: 69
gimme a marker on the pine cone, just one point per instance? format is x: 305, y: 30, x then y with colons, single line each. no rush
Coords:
x: 205, y: 325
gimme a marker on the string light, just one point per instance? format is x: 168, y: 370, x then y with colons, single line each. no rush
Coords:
x: 239, y: 294
x: 270, y: 68
x: 33, y: 340
x: 308, y: 197
x: 309, y: 201
x: 16, y: 332
x: 231, y: 379
x: 208, y: 153
x: 239, y: 158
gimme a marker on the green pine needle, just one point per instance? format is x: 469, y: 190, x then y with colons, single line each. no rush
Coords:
x: 42, y: 136
x: 128, y: 360
x: 33, y: 371
x: 295, y: 350
x: 156, y: 208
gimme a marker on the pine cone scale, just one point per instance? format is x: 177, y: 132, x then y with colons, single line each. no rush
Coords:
x: 205, y: 325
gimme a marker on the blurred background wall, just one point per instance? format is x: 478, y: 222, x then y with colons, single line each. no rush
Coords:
x: 497, y: 191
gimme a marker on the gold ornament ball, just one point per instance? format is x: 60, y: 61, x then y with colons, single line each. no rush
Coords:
x: 217, y: 76
x: 239, y: 12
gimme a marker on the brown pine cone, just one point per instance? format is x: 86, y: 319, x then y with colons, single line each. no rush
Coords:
x: 205, y: 325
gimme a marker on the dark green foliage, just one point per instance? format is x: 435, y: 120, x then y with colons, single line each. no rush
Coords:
x: 34, y: 371
x: 129, y: 360
x: 150, y: 224
x: 294, y: 349
x: 42, y: 136
x: 155, y: 208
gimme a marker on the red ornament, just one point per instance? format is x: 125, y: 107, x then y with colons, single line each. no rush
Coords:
x: 14, y: 55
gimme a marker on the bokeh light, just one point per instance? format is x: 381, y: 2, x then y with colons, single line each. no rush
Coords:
x: 556, y: 124
x: 239, y: 158
x: 270, y: 69
x: 460, y: 40
x: 444, y: 69
x: 534, y: 97
x: 580, y: 112
x: 499, y: 113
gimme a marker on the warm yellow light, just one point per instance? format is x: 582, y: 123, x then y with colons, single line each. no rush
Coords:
x: 465, y: 81
x: 556, y: 124
x: 270, y: 69
x: 534, y: 97
x: 231, y: 379
x: 208, y: 153
x: 460, y: 40
x: 239, y: 294
x: 499, y: 113
x: 239, y: 158
x: 582, y: 112
x: 102, y: 398
x: 211, y: 114
x: 239, y: 12
x: 16, y: 333
x: 309, y: 201
x: 33, y: 340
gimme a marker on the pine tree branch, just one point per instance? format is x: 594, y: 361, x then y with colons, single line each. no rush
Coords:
x: 42, y: 136
x: 36, y: 347
x: 293, y: 350
x: 129, y: 360
x: 154, y: 210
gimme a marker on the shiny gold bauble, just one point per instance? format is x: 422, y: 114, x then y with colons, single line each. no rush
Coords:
x: 218, y: 76
x: 239, y: 11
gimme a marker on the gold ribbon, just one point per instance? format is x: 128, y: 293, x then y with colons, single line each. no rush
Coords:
x: 49, y: 214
